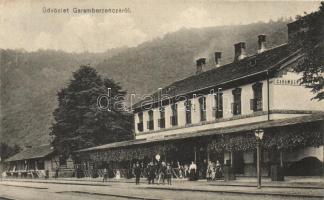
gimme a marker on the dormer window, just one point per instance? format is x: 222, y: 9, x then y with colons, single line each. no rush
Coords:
x: 140, y: 123
x: 150, y: 122
x: 236, y: 105
x: 256, y: 102
x: 202, y: 107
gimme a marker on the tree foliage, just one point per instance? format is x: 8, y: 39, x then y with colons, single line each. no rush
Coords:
x: 79, y: 123
x: 7, y: 151
x: 312, y: 65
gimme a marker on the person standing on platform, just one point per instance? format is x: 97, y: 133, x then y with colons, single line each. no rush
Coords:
x: 168, y: 173
x: 180, y: 172
x: 213, y: 171
x: 137, y: 173
x: 209, y: 171
x: 161, y: 172
x: 151, y: 173
x: 218, y: 170
x: 203, y: 169
x: 105, y: 175
x: 192, y: 171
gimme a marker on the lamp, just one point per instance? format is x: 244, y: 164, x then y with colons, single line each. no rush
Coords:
x: 0, y: 170
x: 259, y: 134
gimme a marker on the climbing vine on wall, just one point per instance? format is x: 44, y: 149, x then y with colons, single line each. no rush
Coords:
x: 136, y: 152
x: 283, y: 139
x: 291, y: 139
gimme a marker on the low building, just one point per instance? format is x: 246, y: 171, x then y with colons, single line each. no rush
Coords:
x: 38, y: 162
x: 32, y: 162
x: 213, y: 116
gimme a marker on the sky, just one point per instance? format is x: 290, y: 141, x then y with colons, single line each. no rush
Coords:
x: 24, y: 25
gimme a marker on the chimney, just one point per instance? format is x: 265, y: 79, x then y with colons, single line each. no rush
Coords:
x: 262, y: 43
x: 239, y: 51
x: 218, y: 56
x: 200, y: 65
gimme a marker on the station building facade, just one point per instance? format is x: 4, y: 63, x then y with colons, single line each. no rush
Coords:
x: 213, y: 115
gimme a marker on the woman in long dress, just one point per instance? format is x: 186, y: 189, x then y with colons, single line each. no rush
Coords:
x: 209, y: 171
x: 192, y: 171
x: 218, y: 170
x: 213, y: 173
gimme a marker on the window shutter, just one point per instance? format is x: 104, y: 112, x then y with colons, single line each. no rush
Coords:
x: 232, y: 108
x: 251, y: 104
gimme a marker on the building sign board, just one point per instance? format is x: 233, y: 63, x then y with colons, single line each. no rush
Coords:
x: 293, y: 82
x: 155, y: 137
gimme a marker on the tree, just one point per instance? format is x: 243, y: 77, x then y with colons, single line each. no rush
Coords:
x: 79, y: 121
x: 312, y: 64
x: 7, y: 151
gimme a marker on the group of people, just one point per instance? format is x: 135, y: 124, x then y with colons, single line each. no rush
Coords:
x: 204, y: 170
x: 214, y: 171
x: 159, y: 171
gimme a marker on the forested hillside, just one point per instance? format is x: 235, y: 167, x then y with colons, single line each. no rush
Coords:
x: 30, y: 80
x: 29, y: 84
x: 157, y: 63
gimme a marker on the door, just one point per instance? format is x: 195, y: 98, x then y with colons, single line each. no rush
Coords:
x: 238, y: 162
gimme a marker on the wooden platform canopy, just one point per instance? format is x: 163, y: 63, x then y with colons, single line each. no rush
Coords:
x: 138, y: 149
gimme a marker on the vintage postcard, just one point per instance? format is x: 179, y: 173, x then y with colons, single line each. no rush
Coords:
x: 161, y: 99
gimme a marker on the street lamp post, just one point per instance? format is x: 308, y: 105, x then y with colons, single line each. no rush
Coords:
x: 1, y: 167
x: 259, y: 135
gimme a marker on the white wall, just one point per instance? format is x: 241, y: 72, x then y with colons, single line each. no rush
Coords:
x: 195, y: 112
x: 282, y: 97
x: 227, y: 100
x: 246, y: 95
x: 248, y: 157
x: 136, y: 121
x: 210, y: 103
x: 168, y: 113
x: 293, y: 96
x: 48, y: 165
x: 156, y: 117
x: 145, y: 119
x: 299, y: 154
x: 181, y: 114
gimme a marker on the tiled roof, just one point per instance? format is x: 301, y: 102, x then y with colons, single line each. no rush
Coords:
x: 115, y: 145
x: 251, y: 65
x: 32, y: 153
x: 224, y: 130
